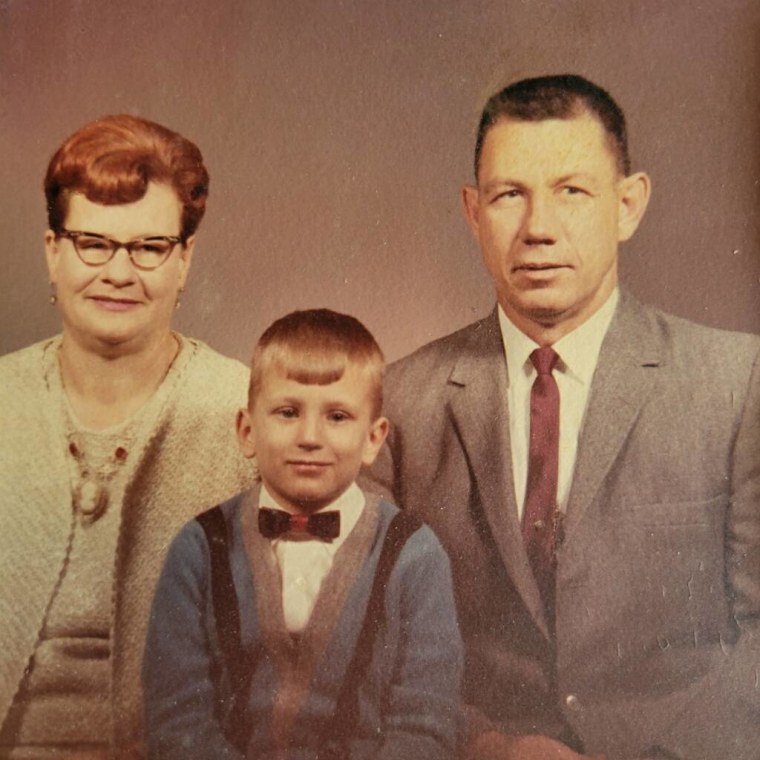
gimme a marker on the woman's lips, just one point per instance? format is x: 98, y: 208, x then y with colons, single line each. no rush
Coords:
x: 114, y: 304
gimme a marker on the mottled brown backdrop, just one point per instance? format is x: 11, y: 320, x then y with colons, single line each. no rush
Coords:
x: 338, y: 133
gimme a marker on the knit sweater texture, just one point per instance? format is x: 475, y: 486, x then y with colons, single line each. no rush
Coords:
x: 189, y: 461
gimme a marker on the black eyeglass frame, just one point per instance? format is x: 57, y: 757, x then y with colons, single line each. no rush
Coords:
x: 74, y: 235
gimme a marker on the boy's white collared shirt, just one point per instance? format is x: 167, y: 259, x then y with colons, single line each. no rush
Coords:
x: 305, y: 564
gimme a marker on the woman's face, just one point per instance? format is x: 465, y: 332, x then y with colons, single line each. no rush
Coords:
x: 117, y: 304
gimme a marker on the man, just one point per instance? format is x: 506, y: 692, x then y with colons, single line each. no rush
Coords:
x: 600, y: 497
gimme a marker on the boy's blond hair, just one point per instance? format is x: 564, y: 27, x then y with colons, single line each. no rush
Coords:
x: 314, y: 347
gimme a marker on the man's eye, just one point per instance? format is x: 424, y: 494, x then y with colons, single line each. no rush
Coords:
x: 508, y: 194
x: 572, y: 190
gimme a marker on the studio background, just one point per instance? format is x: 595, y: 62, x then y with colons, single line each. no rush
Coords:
x: 337, y: 135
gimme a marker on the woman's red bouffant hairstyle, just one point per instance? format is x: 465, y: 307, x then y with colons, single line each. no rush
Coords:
x: 111, y: 161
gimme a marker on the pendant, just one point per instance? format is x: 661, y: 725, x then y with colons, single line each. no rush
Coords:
x: 91, y: 500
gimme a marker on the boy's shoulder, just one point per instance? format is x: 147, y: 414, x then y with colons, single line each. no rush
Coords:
x: 421, y: 542
x: 193, y: 533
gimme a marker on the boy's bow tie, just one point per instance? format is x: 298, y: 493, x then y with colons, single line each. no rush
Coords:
x: 273, y: 523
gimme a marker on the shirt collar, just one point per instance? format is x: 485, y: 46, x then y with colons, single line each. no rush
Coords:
x: 350, y: 504
x: 578, y: 350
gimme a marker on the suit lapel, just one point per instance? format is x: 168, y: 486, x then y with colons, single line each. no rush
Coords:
x: 624, y: 378
x: 479, y: 410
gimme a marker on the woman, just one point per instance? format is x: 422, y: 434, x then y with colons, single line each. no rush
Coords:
x: 112, y: 435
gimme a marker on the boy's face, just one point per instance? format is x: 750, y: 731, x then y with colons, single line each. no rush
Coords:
x: 310, y: 441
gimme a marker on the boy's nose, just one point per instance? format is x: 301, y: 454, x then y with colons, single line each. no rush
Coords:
x: 308, y: 433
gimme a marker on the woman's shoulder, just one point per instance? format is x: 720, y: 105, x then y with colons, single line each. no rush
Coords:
x: 208, y: 375
x: 206, y: 363
x: 21, y: 366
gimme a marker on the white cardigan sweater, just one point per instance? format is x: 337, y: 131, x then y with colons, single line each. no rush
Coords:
x: 189, y: 463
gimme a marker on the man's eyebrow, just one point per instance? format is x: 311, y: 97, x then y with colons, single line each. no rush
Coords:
x: 576, y: 176
x: 496, y: 184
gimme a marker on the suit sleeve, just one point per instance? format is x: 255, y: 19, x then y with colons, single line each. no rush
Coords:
x: 421, y: 717
x: 180, y: 692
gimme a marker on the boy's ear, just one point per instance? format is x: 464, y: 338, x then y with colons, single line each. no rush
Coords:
x: 375, y: 439
x: 245, y: 435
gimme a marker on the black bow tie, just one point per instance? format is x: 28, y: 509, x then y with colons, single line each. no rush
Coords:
x: 323, y: 525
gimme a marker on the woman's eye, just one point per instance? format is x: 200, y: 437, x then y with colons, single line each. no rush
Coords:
x: 156, y: 247
x: 93, y: 244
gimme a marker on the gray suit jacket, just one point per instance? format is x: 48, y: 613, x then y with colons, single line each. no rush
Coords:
x: 657, y: 647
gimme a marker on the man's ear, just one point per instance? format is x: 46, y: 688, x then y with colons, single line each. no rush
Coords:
x: 185, y: 257
x: 471, y: 206
x: 375, y: 440
x: 246, y: 439
x: 51, y: 255
x: 634, y: 197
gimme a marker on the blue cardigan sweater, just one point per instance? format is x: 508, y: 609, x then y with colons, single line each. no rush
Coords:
x: 409, y: 701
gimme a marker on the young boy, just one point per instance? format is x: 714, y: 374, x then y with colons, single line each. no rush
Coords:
x: 287, y: 644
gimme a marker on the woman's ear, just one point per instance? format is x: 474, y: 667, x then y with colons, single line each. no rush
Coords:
x: 51, y: 255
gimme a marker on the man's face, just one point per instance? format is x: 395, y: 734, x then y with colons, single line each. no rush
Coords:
x: 310, y: 441
x: 548, y: 212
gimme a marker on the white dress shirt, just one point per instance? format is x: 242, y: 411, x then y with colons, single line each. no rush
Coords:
x: 305, y: 564
x: 578, y: 356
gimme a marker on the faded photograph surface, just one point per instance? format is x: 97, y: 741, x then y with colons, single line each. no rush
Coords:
x: 313, y: 156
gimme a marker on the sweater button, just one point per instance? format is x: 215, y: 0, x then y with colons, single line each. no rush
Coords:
x: 572, y: 702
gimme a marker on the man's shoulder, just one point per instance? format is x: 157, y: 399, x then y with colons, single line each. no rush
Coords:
x: 683, y: 340
x: 441, y: 354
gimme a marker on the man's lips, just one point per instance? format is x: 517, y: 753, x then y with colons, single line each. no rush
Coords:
x: 539, y: 267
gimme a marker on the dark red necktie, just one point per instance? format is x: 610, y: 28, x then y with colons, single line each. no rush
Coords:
x: 540, y: 510
x: 274, y: 523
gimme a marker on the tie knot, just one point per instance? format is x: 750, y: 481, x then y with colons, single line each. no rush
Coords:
x: 544, y: 359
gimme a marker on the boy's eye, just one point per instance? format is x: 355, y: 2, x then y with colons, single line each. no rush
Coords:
x: 337, y: 416
x: 287, y: 412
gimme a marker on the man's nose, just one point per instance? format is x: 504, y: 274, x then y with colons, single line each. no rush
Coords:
x: 540, y: 222
x: 119, y: 270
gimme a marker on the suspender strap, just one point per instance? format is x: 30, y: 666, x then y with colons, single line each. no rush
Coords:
x: 224, y: 599
x: 346, y: 715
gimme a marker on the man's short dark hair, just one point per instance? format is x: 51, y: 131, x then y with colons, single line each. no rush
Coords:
x: 563, y: 96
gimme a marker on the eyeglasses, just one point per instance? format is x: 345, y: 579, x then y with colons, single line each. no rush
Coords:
x: 144, y: 253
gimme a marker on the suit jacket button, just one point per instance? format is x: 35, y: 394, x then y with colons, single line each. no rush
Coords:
x: 572, y: 701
